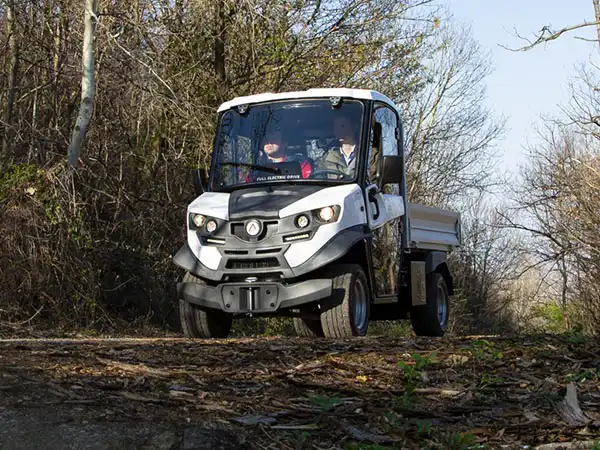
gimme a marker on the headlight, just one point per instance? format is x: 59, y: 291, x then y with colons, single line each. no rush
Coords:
x: 211, y: 226
x: 326, y: 214
x: 198, y: 220
x: 302, y: 221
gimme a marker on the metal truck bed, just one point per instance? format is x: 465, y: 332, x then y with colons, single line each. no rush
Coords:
x: 432, y: 228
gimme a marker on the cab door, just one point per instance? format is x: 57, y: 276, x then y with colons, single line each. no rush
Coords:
x: 385, y: 206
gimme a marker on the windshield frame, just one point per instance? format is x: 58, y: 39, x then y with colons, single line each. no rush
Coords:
x: 215, y: 163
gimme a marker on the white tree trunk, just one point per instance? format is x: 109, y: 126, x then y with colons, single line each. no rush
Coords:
x: 597, y: 17
x: 88, y: 84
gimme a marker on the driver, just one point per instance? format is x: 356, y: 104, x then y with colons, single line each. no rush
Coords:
x: 275, y: 152
x: 341, y: 158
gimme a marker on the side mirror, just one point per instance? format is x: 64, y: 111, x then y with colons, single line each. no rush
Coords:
x: 200, y: 180
x: 392, y: 169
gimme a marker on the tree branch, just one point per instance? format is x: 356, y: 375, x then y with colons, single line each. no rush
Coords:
x: 547, y: 35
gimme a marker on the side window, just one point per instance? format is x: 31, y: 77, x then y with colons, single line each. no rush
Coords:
x: 383, y: 143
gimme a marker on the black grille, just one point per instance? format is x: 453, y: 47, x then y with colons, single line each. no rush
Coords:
x: 252, y: 263
x: 266, y: 251
x: 236, y: 252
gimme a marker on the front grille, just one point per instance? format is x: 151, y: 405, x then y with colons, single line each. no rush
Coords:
x: 252, y: 263
x: 266, y: 251
x: 236, y: 252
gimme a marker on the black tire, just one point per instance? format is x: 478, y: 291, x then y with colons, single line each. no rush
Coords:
x: 347, y: 312
x: 428, y: 319
x: 202, y: 323
x: 308, y: 327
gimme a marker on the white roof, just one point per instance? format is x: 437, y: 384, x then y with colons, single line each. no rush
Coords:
x: 364, y: 94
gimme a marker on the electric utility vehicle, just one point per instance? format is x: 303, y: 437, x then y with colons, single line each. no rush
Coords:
x: 303, y: 213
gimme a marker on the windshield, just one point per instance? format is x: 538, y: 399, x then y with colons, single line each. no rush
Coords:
x: 292, y: 140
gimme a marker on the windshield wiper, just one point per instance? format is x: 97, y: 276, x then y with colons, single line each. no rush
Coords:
x: 252, y: 166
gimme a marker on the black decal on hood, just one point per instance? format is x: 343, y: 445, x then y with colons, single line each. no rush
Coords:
x: 266, y: 201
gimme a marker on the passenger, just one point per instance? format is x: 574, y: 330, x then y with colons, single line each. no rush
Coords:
x: 342, y: 158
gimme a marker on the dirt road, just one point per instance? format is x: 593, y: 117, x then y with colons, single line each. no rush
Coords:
x: 288, y: 393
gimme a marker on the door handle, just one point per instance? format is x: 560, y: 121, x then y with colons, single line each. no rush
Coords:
x: 373, y: 199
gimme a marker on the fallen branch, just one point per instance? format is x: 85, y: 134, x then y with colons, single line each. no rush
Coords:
x: 134, y: 368
x: 438, y: 391
x: 569, y: 408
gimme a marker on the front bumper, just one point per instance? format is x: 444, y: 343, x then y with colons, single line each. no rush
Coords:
x: 256, y: 297
x: 229, y: 268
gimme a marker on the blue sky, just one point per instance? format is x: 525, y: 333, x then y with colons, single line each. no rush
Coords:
x: 525, y: 85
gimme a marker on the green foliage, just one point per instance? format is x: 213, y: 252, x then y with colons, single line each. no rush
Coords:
x: 558, y: 320
x: 20, y: 176
x: 413, y: 371
x: 412, y: 374
x: 577, y: 338
x: 484, y: 350
x: 583, y: 376
x: 324, y: 402
x: 424, y: 428
x: 553, y: 316
x: 400, y: 328
x: 462, y: 441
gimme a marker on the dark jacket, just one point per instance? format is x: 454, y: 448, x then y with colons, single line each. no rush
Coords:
x: 334, y: 160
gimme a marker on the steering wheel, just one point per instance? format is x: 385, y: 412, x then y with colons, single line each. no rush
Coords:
x: 327, y: 171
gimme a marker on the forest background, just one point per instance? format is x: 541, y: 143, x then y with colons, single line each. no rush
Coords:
x: 107, y: 105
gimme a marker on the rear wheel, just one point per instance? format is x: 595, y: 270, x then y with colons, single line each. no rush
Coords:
x: 431, y: 319
x: 348, y: 313
x: 308, y: 327
x: 202, y: 323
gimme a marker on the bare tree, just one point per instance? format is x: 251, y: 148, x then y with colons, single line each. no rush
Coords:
x: 88, y: 84
x: 489, y: 261
x: 450, y: 132
x: 597, y: 16
x: 13, y: 49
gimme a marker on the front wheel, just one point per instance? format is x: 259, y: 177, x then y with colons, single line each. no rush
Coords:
x: 348, y: 313
x: 308, y: 327
x: 431, y: 319
x: 202, y: 323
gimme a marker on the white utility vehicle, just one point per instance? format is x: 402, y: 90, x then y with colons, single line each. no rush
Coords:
x: 304, y: 214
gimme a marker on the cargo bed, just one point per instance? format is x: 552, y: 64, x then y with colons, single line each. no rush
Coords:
x: 432, y: 228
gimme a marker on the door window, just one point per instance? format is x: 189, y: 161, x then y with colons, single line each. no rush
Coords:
x: 385, y: 124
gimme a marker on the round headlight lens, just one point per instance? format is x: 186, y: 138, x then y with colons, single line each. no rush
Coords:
x: 211, y: 226
x: 326, y: 214
x: 302, y: 221
x: 198, y: 220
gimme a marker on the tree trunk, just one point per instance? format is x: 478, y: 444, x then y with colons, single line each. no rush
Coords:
x: 88, y: 85
x: 12, y: 73
x: 597, y: 16
x: 220, y: 41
